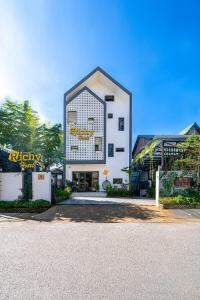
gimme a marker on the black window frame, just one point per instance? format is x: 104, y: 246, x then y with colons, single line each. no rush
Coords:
x: 121, y: 126
x: 75, y: 148
x: 118, y: 149
x: 109, y: 98
x: 91, y: 119
x: 119, y: 181
x: 110, y: 116
x: 76, y: 113
x: 96, y: 146
x: 112, y: 151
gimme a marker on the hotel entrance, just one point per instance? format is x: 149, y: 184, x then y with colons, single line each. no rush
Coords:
x: 86, y: 181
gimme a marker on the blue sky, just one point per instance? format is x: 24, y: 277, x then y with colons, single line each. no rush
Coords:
x: 151, y: 47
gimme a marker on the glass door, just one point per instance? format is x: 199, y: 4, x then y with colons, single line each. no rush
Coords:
x: 86, y: 181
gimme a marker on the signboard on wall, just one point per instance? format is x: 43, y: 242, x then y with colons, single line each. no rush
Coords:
x: 183, y: 182
x: 82, y: 134
x: 41, y: 176
x: 27, y: 160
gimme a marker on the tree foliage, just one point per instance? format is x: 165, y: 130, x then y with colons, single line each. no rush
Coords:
x: 190, y: 158
x: 21, y: 129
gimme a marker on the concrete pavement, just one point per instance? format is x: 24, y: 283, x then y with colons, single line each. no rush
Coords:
x: 93, y: 200
x: 99, y: 261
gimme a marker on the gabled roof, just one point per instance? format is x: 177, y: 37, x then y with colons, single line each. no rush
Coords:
x: 98, y: 69
x: 147, y: 137
x: 189, y: 128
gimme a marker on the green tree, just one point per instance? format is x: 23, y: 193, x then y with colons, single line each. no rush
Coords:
x: 21, y: 129
x: 190, y: 159
x: 50, y: 143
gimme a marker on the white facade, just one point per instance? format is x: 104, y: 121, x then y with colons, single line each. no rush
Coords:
x: 10, y: 186
x: 87, y: 103
x: 41, y: 186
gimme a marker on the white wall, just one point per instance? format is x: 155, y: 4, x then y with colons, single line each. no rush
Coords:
x: 41, y: 188
x: 120, y: 108
x: 10, y: 186
x: 97, y: 167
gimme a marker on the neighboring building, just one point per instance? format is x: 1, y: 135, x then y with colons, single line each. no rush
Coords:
x: 97, y: 131
x: 151, y: 151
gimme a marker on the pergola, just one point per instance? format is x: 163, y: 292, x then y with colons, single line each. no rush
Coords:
x: 161, y: 151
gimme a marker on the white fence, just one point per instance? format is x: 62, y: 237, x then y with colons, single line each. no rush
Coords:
x: 41, y: 185
x: 11, y: 186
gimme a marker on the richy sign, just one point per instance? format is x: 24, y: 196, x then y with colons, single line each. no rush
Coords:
x: 82, y: 134
x: 27, y: 160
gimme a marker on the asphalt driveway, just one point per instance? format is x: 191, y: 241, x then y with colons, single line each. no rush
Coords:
x: 99, y: 261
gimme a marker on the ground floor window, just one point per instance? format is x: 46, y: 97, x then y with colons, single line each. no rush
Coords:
x: 86, y: 181
x: 117, y: 181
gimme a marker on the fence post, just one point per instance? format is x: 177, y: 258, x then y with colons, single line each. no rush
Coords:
x: 157, y: 187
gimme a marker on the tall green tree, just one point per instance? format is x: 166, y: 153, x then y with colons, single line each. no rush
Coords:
x: 190, y: 159
x: 50, y: 143
x: 21, y: 129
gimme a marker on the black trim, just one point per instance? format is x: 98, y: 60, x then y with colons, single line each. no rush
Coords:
x: 85, y: 88
x: 98, y: 69
x: 119, y: 150
x: 111, y: 144
x: 120, y: 126
x: 109, y: 98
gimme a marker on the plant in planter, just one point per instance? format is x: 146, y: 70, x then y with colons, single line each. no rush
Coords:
x: 95, y: 187
x: 62, y: 194
x: 119, y: 192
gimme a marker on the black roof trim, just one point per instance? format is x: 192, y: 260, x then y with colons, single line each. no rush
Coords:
x: 85, y: 88
x: 105, y: 74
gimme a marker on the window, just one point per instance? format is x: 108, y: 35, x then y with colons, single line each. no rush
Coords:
x: 74, y: 148
x: 110, y: 150
x: 121, y: 124
x: 91, y: 120
x: 98, y: 143
x: 72, y: 117
x: 110, y: 116
x: 117, y: 181
x: 109, y: 98
x: 119, y: 149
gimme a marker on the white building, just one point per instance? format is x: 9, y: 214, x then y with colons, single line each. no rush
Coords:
x: 97, y: 131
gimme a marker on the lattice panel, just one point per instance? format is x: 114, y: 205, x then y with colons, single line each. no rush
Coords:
x: 87, y: 106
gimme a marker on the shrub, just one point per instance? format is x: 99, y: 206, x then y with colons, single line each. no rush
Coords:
x: 119, y: 192
x: 192, y: 199
x: 62, y: 194
x: 25, y: 204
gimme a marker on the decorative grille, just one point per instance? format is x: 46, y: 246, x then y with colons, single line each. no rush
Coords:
x: 87, y: 106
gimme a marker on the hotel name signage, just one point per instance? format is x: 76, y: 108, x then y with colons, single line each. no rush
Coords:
x: 82, y: 134
x: 183, y: 182
x: 27, y: 160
